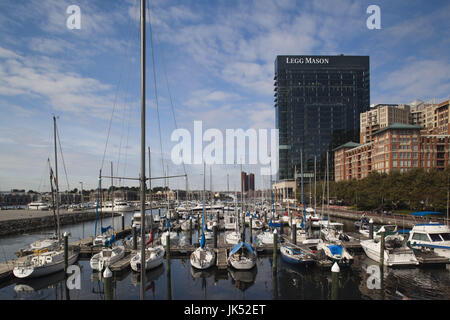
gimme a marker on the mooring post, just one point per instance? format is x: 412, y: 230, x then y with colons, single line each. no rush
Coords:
x: 371, y: 229
x: 134, y: 238
x: 215, y: 234
x: 66, y: 252
x: 275, y: 242
x: 294, y: 233
x: 168, y: 252
x: 251, y: 229
x: 107, y: 280
x: 123, y: 221
x: 382, y: 250
x: 335, y: 281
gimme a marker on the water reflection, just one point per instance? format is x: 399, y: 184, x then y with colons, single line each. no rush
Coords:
x: 243, y: 279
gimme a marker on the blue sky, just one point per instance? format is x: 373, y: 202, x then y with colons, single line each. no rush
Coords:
x: 218, y: 58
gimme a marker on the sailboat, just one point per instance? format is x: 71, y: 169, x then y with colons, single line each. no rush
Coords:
x: 242, y: 256
x: 232, y: 222
x: 153, y: 256
x: 44, y: 262
x: 173, y: 236
x: 106, y: 257
x: 203, y: 257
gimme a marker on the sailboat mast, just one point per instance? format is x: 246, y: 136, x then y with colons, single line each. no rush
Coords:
x: 315, y: 186
x: 56, y: 181
x: 112, y: 196
x: 142, y: 178
x: 303, y: 191
x: 328, y: 190
x: 150, y: 188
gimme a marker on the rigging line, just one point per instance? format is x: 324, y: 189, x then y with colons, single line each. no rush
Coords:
x: 117, y: 91
x: 45, y: 167
x: 167, y: 84
x: 125, y: 107
x: 62, y: 156
x: 130, y: 109
x: 156, y: 88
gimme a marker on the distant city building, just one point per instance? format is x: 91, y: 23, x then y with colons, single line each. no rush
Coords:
x: 247, y: 182
x: 318, y: 100
x: 251, y: 182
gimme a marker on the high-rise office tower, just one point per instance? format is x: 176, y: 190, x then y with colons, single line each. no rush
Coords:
x: 318, y: 100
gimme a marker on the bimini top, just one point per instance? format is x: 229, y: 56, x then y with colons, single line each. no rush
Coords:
x: 424, y: 213
x: 237, y: 246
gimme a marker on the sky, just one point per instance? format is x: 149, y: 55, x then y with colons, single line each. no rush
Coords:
x: 209, y: 61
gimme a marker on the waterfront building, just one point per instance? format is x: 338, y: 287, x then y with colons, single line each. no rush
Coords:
x: 285, y: 191
x: 318, y: 101
x: 380, y: 116
x: 399, y: 146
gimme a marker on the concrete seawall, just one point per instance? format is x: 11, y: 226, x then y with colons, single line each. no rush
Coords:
x: 22, y: 221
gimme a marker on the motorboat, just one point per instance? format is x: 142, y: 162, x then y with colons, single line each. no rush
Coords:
x: 136, y: 221
x: 242, y: 256
x: 38, y: 205
x: 432, y: 236
x: 396, y: 252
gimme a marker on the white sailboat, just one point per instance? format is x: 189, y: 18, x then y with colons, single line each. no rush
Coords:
x: 336, y: 253
x: 203, y: 257
x: 242, y: 256
x: 154, y: 257
x: 44, y: 262
x: 106, y: 257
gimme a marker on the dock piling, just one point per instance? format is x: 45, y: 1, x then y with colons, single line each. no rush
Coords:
x: 371, y: 229
x: 275, y: 242
x: 134, y: 238
x: 335, y: 281
x: 250, y: 226
x: 382, y: 250
x: 294, y: 233
x: 66, y: 252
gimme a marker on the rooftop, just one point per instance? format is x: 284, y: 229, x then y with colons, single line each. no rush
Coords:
x: 347, y: 145
x: 399, y: 126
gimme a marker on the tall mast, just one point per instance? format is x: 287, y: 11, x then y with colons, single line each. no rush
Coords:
x: 142, y: 178
x: 315, y: 186
x: 150, y: 188
x: 303, y: 191
x: 328, y: 191
x: 112, y: 196
x: 56, y: 182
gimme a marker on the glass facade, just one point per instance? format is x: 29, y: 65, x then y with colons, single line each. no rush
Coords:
x: 318, y: 100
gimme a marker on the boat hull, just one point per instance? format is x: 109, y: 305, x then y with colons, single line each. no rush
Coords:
x: 35, y: 272
x: 403, y: 258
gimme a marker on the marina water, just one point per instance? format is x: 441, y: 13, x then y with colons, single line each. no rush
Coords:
x: 291, y: 282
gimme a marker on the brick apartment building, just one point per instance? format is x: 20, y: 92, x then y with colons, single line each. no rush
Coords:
x: 387, y: 145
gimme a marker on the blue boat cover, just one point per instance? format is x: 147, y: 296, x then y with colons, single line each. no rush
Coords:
x: 106, y: 229
x: 335, y: 249
x: 237, y: 246
x: 110, y: 241
x: 202, y: 240
x: 402, y: 231
x: 168, y: 223
x: 424, y: 213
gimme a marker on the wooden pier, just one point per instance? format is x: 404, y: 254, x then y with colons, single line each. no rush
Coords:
x: 222, y: 258
x: 429, y: 258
